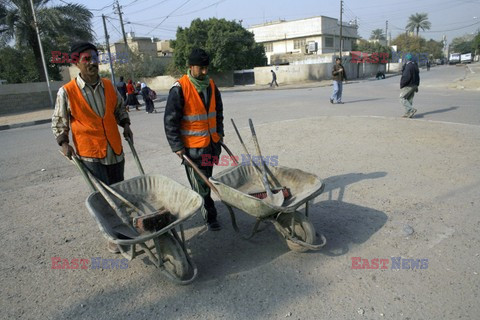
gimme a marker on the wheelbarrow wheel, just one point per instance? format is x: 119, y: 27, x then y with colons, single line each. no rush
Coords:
x: 303, y: 230
x: 173, y: 257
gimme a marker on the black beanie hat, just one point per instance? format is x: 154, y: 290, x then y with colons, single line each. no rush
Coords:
x: 198, y: 57
x: 82, y: 46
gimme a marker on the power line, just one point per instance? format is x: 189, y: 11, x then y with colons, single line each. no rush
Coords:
x: 169, y: 15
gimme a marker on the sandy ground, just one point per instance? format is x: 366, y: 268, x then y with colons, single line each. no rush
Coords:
x: 384, y: 179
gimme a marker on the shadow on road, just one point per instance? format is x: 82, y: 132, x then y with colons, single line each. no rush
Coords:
x: 421, y: 115
x: 363, y: 100
x: 344, y: 224
x: 343, y: 180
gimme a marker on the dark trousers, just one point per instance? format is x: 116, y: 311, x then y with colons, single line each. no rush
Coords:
x: 109, y: 174
x: 198, y: 185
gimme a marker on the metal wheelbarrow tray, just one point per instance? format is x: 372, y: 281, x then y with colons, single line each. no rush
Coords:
x: 235, y: 185
x: 151, y: 192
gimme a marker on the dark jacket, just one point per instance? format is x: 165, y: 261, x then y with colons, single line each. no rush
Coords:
x: 338, y: 75
x: 145, y: 93
x: 122, y: 89
x: 174, y: 115
x: 410, y: 75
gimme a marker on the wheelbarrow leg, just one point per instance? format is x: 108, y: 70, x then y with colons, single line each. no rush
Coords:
x: 235, y: 226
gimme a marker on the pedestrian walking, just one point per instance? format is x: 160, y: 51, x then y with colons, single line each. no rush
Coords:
x: 338, y: 76
x: 409, y: 85
x: 193, y: 124
x: 147, y: 97
x: 91, y: 109
x: 274, y: 79
x: 122, y: 89
x: 132, y: 96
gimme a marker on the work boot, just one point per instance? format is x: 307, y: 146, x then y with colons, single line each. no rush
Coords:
x: 412, y: 113
x: 214, y: 225
x: 113, y: 247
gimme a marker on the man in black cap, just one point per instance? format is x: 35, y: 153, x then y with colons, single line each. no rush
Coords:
x: 92, y: 109
x: 194, y: 126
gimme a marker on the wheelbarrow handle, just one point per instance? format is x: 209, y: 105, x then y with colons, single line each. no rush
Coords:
x: 200, y: 173
x: 135, y: 156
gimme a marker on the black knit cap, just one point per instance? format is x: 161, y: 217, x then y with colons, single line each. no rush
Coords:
x: 82, y: 46
x: 198, y: 57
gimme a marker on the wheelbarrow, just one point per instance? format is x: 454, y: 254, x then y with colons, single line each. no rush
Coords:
x: 116, y: 207
x: 239, y: 187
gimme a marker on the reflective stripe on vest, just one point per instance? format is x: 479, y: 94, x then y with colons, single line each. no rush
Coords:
x: 197, y: 125
x: 91, y: 133
x: 200, y: 117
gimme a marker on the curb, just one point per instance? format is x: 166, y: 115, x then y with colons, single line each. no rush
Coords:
x: 24, y: 124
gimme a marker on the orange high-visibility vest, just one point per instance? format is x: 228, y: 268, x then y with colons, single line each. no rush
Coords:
x: 90, y: 132
x: 197, y: 126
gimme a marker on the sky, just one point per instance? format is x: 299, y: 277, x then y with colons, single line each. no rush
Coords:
x: 161, y: 18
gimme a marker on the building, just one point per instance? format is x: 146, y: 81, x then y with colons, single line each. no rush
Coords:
x: 312, y: 36
x: 164, y: 48
x: 142, y: 45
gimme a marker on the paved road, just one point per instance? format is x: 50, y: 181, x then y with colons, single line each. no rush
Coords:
x: 382, y: 174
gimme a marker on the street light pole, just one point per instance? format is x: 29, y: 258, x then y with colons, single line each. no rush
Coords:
x: 52, y: 105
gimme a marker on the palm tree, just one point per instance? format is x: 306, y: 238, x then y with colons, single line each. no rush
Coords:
x: 58, y: 26
x: 377, y: 34
x: 418, y: 21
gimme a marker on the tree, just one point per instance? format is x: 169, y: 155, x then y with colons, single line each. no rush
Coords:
x: 408, y: 43
x: 230, y: 46
x: 59, y: 26
x: 418, y: 21
x: 139, y: 66
x: 434, y: 49
x: 17, y: 66
x: 463, y: 44
x: 377, y: 34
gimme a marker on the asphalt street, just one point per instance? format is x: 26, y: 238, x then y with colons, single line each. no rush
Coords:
x: 394, y: 188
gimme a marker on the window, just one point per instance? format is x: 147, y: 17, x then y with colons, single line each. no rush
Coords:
x: 299, y: 44
x: 328, y: 42
x: 268, y: 47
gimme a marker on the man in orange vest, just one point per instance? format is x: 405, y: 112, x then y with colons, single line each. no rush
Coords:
x: 193, y: 124
x: 92, y: 109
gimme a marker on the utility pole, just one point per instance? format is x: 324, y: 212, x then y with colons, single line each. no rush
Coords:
x: 386, y: 31
x: 127, y: 50
x: 41, y: 53
x: 108, y: 49
x: 341, y: 27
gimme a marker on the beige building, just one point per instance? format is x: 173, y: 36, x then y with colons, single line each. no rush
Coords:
x: 313, y: 36
x: 164, y: 49
x: 142, y: 45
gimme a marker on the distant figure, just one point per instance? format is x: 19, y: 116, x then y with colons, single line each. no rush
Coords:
x: 122, y: 89
x: 338, y: 74
x: 146, y: 94
x: 409, y: 85
x: 131, y: 96
x: 428, y: 65
x: 274, y: 79
x: 380, y: 75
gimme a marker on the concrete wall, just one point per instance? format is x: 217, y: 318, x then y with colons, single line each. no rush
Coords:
x: 314, y: 72
x: 24, y: 97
